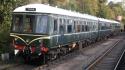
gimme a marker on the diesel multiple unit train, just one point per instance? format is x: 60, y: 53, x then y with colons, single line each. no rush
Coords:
x: 43, y: 32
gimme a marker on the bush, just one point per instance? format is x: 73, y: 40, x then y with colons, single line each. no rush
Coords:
x: 4, y: 43
x: 4, y: 38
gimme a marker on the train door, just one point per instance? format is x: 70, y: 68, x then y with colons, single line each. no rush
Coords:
x: 61, y: 31
x: 54, y: 30
x: 86, y: 30
x: 89, y: 30
x: 92, y: 31
x: 97, y: 29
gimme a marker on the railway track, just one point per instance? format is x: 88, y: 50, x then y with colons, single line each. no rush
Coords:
x: 121, y: 62
x: 108, y: 60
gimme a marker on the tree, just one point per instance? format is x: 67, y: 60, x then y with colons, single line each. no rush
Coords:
x: 88, y: 6
x: 6, y: 7
x: 102, y: 1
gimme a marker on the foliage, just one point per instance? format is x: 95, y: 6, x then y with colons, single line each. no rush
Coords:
x: 102, y: 1
x: 5, y: 15
x: 91, y: 7
x: 72, y: 5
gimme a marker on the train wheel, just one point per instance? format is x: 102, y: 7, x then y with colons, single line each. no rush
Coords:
x: 84, y: 45
x: 80, y: 46
x: 27, y: 59
x: 53, y: 55
x: 64, y: 50
x: 43, y: 58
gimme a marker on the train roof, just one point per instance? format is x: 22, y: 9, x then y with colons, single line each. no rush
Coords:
x: 103, y: 20
x: 41, y: 8
x: 109, y: 21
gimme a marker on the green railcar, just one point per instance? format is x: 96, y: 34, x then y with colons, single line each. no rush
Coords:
x: 45, y: 32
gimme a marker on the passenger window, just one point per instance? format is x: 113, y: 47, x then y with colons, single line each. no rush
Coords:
x: 64, y: 24
x: 69, y: 26
x: 87, y: 27
x: 55, y: 25
x: 61, y: 27
x: 74, y: 26
x: 94, y: 26
x: 78, y: 28
x: 83, y: 28
x: 90, y: 26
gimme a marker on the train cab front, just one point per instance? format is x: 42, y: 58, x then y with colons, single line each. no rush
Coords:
x: 29, y: 35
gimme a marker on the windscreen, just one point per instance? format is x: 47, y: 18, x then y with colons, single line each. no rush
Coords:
x: 30, y: 23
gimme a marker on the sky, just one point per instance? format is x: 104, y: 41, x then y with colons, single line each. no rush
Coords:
x: 114, y: 0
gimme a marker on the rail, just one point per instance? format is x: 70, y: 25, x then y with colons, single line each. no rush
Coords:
x: 119, y: 60
x: 101, y: 57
